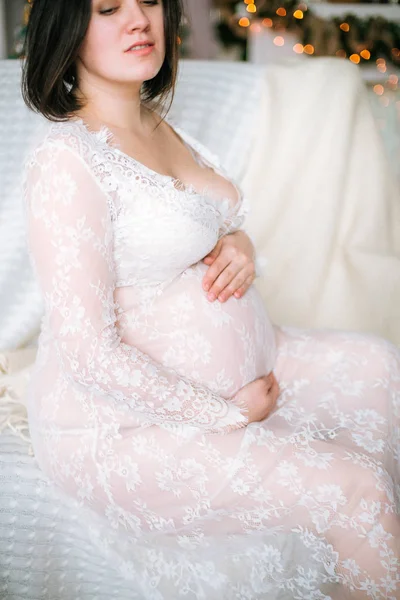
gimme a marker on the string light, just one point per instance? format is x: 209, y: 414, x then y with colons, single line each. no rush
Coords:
x: 378, y: 89
x: 279, y: 40
x: 255, y: 27
x: 365, y: 54
x: 298, y: 13
x: 244, y: 22
x: 267, y: 22
x: 251, y: 8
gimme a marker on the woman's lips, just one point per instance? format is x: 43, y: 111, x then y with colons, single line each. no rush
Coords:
x: 141, y: 51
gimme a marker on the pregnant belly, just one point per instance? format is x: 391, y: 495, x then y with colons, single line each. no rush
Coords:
x: 221, y: 345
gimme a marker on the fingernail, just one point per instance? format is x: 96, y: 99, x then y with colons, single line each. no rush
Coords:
x: 211, y: 297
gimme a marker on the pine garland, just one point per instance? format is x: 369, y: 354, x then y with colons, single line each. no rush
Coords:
x: 347, y: 36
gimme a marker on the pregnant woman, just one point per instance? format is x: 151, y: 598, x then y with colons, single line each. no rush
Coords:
x: 156, y: 405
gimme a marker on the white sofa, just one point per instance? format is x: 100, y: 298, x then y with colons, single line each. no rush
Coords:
x: 44, y: 553
x: 271, y: 128
x: 301, y: 140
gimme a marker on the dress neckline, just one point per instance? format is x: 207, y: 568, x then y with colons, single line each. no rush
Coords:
x: 104, y: 135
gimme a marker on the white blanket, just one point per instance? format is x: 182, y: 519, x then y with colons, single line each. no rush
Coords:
x: 325, y: 207
x: 325, y: 215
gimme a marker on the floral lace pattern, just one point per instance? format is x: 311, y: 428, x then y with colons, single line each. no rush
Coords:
x: 132, y: 400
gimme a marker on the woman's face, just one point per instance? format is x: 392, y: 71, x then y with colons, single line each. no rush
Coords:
x: 114, y: 27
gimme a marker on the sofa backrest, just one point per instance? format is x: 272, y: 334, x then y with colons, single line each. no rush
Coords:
x: 213, y: 102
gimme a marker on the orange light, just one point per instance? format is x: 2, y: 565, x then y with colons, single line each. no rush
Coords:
x: 366, y: 54
x: 255, y: 27
x: 281, y: 12
x: 267, y: 22
x: 345, y: 27
x: 244, y: 22
x: 298, y: 48
x: 379, y: 89
x: 279, y: 41
x: 309, y: 49
x: 298, y: 14
x: 251, y: 8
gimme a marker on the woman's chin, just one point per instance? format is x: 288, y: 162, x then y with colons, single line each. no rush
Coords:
x: 142, y: 69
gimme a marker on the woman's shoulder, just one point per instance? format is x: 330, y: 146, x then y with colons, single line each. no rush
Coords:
x: 59, y: 136
x: 58, y: 140
x: 68, y: 149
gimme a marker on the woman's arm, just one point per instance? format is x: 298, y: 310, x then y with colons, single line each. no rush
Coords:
x: 70, y: 237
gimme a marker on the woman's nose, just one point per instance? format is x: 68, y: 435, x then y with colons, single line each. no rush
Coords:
x: 135, y: 16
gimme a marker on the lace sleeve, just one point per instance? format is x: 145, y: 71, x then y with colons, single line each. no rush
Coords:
x: 70, y: 239
x: 236, y: 217
x: 235, y: 221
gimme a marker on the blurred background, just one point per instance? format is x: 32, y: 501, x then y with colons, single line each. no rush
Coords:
x: 266, y: 31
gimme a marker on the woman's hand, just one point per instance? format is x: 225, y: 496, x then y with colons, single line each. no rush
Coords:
x: 232, y: 267
x: 260, y: 397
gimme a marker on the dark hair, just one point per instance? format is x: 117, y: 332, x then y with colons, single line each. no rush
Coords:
x: 55, y: 32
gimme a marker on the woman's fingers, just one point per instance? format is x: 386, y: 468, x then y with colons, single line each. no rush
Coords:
x: 232, y: 254
x: 229, y: 281
x: 240, y: 292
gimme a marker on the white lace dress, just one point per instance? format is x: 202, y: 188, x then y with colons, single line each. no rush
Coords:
x: 132, y: 409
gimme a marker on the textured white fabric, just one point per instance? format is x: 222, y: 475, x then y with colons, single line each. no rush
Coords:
x: 332, y: 448
x: 149, y: 230
x: 208, y: 103
x: 20, y: 301
x: 15, y: 372
x: 45, y: 553
x: 325, y: 204
x: 135, y: 401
